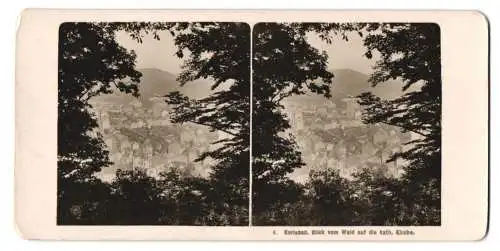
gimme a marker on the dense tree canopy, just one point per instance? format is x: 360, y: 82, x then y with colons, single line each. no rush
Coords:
x: 411, y: 52
x: 90, y: 63
x: 284, y: 64
x: 220, y: 52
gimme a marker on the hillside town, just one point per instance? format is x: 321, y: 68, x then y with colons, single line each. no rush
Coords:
x: 140, y: 134
x: 330, y: 134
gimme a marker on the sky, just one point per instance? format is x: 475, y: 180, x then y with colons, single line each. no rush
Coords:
x: 153, y: 53
x: 345, y: 54
x: 161, y: 54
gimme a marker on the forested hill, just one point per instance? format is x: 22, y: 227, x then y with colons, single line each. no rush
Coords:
x: 350, y: 83
x: 156, y: 83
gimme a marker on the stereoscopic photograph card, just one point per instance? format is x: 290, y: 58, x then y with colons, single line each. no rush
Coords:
x: 252, y: 125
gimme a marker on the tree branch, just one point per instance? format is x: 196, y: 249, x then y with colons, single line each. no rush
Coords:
x: 81, y: 98
x: 215, y: 127
x: 407, y: 129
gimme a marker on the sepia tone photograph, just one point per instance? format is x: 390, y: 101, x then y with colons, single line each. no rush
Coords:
x: 153, y: 124
x: 346, y: 124
x: 238, y: 125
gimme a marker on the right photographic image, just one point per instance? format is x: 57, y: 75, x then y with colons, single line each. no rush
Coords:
x: 346, y: 124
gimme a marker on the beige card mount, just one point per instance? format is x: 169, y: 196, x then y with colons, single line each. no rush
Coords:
x: 252, y: 125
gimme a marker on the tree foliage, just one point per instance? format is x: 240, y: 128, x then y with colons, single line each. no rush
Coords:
x: 90, y: 63
x: 284, y: 64
x: 220, y: 52
x: 411, y: 52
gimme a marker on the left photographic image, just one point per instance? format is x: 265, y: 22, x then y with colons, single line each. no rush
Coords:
x: 153, y: 123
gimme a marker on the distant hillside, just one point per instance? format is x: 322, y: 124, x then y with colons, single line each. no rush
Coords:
x: 154, y: 83
x: 350, y: 83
